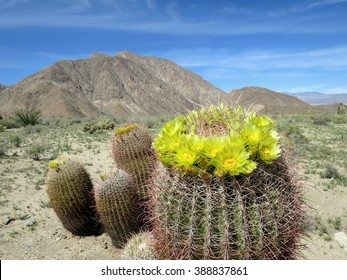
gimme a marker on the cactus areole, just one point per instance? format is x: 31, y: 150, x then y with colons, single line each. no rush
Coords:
x: 218, y: 141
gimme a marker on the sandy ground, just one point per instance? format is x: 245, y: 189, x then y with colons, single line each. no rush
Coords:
x: 29, y: 229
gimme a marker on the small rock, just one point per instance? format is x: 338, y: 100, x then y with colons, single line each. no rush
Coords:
x: 30, y: 222
x: 9, y: 220
x: 342, y: 239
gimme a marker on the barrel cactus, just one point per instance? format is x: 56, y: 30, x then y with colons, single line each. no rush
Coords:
x: 132, y: 151
x: 224, y: 190
x: 116, y: 203
x: 70, y: 191
x: 140, y: 247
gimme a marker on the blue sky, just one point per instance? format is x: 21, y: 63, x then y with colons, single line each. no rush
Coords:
x: 293, y: 46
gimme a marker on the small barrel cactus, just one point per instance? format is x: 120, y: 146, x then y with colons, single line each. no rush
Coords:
x: 116, y: 203
x: 224, y: 190
x: 70, y: 191
x: 140, y: 247
x: 132, y: 151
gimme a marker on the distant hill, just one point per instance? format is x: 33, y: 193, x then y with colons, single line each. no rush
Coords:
x: 318, y: 98
x: 268, y: 100
x: 125, y: 84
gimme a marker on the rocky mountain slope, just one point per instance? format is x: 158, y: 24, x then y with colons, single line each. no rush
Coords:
x: 123, y: 85
x: 126, y: 84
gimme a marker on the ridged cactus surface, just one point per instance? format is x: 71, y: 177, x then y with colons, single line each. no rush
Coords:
x: 116, y: 203
x: 132, y: 151
x: 252, y: 217
x: 70, y: 191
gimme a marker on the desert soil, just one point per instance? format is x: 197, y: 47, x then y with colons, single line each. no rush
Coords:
x: 29, y: 228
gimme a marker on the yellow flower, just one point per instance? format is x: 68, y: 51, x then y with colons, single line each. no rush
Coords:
x: 58, y: 161
x: 233, y: 159
x: 269, y: 151
x: 263, y: 121
x: 173, y: 127
x: 185, y: 157
x: 197, y: 143
x: 213, y: 146
x: 232, y: 162
x: 251, y: 134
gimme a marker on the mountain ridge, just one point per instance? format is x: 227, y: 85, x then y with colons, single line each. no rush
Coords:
x: 125, y: 84
x: 319, y: 98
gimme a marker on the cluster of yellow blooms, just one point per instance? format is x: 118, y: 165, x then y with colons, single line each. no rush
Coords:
x: 58, y: 161
x: 125, y: 129
x: 218, y: 141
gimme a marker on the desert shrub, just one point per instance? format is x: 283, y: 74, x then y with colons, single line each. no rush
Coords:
x: 339, y: 119
x: 293, y: 133
x: 36, y: 150
x: 29, y: 129
x: 2, y: 128
x: 321, y: 120
x: 102, y: 125
x: 330, y: 172
x: 341, y: 109
x: 15, y: 140
x: 3, y: 149
x: 10, y: 123
x: 28, y: 116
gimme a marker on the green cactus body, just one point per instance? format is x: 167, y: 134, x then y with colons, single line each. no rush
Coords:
x: 224, y: 190
x: 140, y: 247
x: 132, y: 151
x: 116, y: 203
x: 253, y: 217
x: 70, y: 192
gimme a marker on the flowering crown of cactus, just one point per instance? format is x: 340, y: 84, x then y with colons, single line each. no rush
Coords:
x: 218, y: 141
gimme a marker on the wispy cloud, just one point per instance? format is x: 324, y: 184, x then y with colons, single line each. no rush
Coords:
x: 77, y: 6
x: 332, y: 59
x: 304, y: 6
x: 147, y: 16
x: 172, y: 11
x: 324, y: 3
x: 151, y: 4
x: 6, y: 4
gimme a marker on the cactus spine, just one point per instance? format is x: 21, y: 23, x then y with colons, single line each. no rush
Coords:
x: 225, y: 190
x: 140, y: 247
x: 116, y: 203
x: 70, y: 193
